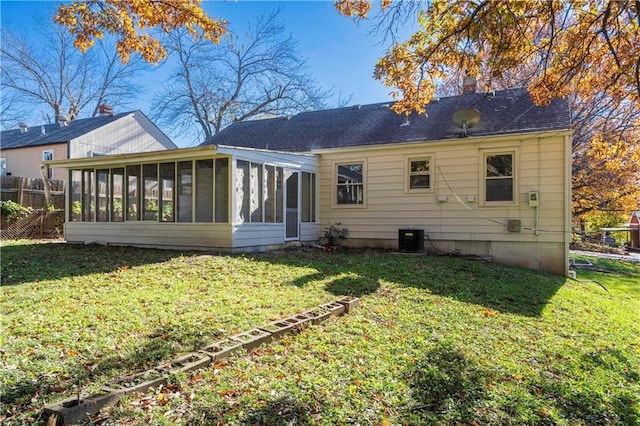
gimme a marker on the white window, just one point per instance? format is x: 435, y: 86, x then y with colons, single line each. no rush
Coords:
x: 350, y: 183
x: 3, y: 166
x: 419, y: 173
x: 499, y: 177
x: 48, y: 156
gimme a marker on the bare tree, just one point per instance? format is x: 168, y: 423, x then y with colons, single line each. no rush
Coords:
x: 9, y: 115
x: 55, y: 79
x: 260, y: 73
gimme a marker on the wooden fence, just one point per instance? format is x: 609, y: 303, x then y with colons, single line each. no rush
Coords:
x: 29, y: 192
x: 41, y: 223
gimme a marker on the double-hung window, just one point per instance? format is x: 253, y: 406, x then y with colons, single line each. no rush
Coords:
x: 499, y: 177
x: 48, y: 156
x: 419, y: 169
x: 350, y: 183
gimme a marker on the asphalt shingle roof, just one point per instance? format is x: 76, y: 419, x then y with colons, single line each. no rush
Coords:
x: 54, y: 133
x: 505, y: 112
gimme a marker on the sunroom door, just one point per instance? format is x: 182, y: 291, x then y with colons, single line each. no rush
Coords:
x: 292, y: 215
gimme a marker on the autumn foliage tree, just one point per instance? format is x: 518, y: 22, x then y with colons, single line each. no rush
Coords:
x: 606, y: 170
x: 574, y: 43
x: 132, y: 23
x: 585, y: 50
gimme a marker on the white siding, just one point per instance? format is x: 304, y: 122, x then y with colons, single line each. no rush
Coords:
x: 456, y: 173
x: 151, y: 234
x: 309, y: 231
x: 129, y: 134
x: 303, y: 162
x: 257, y: 236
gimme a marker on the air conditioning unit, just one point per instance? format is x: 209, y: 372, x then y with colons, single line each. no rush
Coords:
x: 411, y: 240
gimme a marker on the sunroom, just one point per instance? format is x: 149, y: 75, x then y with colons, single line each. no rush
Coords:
x: 208, y: 197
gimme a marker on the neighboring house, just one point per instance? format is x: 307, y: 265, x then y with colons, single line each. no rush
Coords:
x: 501, y: 191
x: 632, y: 227
x: 23, y: 150
x: 634, y: 230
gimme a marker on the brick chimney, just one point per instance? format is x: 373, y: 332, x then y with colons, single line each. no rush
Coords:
x: 105, y: 109
x: 469, y: 85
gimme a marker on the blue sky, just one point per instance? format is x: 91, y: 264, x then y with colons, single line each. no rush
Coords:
x: 341, y: 55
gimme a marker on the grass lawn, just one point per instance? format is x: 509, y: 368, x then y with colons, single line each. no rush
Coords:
x: 435, y: 340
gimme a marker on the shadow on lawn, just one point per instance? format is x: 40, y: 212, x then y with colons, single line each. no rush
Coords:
x: 157, y: 347
x: 575, y: 403
x: 446, y: 385
x: 50, y: 261
x: 502, y: 288
x: 279, y: 412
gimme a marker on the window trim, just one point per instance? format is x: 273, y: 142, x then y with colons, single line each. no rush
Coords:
x: 107, y: 207
x: 514, y: 176
x: 334, y: 184
x: 145, y: 197
x: 312, y: 207
x: 112, y: 193
x: 49, y: 170
x: 407, y: 173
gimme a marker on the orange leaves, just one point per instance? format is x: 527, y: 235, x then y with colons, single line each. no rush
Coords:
x: 489, y: 312
x: 399, y: 68
x: 556, y: 47
x: 228, y: 392
x: 607, y: 172
x: 129, y: 20
x: 358, y: 9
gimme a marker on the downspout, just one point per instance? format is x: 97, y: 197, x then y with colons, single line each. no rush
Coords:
x: 537, y: 213
x: 567, y: 195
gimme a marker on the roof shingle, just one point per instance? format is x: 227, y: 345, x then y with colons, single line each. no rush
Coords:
x: 504, y: 112
x: 54, y: 133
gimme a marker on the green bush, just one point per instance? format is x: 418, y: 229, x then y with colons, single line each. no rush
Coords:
x: 12, y: 211
x: 334, y: 234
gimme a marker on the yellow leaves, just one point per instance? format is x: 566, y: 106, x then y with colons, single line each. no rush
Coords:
x: 130, y: 20
x: 607, y: 174
x: 564, y: 47
x: 358, y: 9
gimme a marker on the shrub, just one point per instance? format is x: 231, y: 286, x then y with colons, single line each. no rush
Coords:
x: 12, y: 211
x: 333, y: 234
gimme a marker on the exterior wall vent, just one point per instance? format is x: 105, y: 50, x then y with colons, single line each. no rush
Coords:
x: 514, y: 225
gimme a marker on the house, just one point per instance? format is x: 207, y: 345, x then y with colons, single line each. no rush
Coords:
x: 492, y: 181
x: 23, y: 150
x: 634, y: 230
